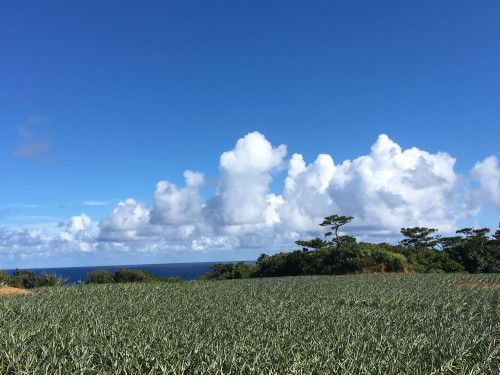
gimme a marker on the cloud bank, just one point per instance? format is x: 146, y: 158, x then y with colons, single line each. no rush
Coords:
x: 386, y: 189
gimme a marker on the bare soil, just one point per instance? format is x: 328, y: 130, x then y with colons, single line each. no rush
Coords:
x: 9, y: 291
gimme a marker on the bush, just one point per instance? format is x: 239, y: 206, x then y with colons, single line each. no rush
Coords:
x: 129, y: 276
x: 50, y: 279
x: 438, y: 260
x: 28, y: 279
x: 150, y: 278
x: 391, y: 262
x: 3, y: 277
x: 225, y: 271
x: 99, y: 277
x: 23, y: 279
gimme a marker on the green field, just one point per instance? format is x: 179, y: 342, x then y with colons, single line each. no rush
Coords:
x: 372, y: 324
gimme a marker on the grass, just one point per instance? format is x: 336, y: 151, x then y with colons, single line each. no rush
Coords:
x: 364, y: 324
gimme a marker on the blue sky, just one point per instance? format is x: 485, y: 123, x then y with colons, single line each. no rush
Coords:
x: 100, y: 102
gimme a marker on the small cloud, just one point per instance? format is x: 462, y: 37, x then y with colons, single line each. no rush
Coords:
x: 23, y: 132
x: 36, y: 148
x: 32, y: 146
x: 95, y: 203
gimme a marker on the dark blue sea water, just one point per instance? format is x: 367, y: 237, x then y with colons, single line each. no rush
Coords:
x: 186, y: 271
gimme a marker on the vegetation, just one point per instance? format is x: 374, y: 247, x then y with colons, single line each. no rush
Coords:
x: 224, y: 271
x: 4, y: 277
x: 419, y: 238
x: 27, y: 279
x: 364, y: 324
x: 420, y: 251
x: 126, y: 276
x: 471, y: 250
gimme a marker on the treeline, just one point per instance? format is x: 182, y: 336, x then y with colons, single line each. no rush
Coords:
x: 471, y: 250
x: 126, y: 276
x: 28, y: 280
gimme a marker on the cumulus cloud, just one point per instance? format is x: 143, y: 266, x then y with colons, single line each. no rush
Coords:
x: 173, y: 205
x: 487, y: 173
x: 126, y: 222
x: 386, y: 189
x: 80, y: 233
x: 391, y: 188
x: 243, y: 201
x: 21, y: 242
x: 305, y: 197
x: 46, y: 241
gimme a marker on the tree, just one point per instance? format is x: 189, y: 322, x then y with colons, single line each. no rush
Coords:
x: 315, y: 243
x: 129, y: 276
x: 335, y: 222
x: 419, y: 238
x: 473, y: 252
x: 478, y: 236
x: 99, y: 277
x: 226, y: 271
x: 448, y: 242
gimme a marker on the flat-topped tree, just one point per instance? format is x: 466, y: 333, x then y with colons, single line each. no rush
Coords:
x: 474, y: 252
x: 479, y: 237
x: 315, y: 243
x: 419, y: 238
x: 447, y: 243
x: 335, y: 222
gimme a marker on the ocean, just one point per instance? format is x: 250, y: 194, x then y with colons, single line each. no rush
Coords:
x: 186, y: 271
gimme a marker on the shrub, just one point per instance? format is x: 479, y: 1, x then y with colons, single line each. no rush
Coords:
x: 151, y: 278
x: 99, y: 277
x: 438, y: 260
x: 225, y: 271
x: 129, y: 276
x: 23, y: 279
x: 3, y: 277
x: 50, y: 279
x: 392, y: 262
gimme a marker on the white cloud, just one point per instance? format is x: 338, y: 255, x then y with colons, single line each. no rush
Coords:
x: 305, y: 198
x: 487, y: 173
x: 391, y: 188
x: 80, y: 232
x: 386, y: 189
x: 95, y: 203
x: 243, y: 201
x: 47, y: 241
x: 173, y: 205
x: 125, y: 223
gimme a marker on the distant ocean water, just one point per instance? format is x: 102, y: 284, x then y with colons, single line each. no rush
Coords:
x: 186, y: 271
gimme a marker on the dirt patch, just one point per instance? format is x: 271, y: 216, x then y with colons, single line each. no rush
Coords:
x: 9, y: 291
x: 478, y: 285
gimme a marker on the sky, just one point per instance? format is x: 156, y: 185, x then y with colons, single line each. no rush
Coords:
x: 183, y: 131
